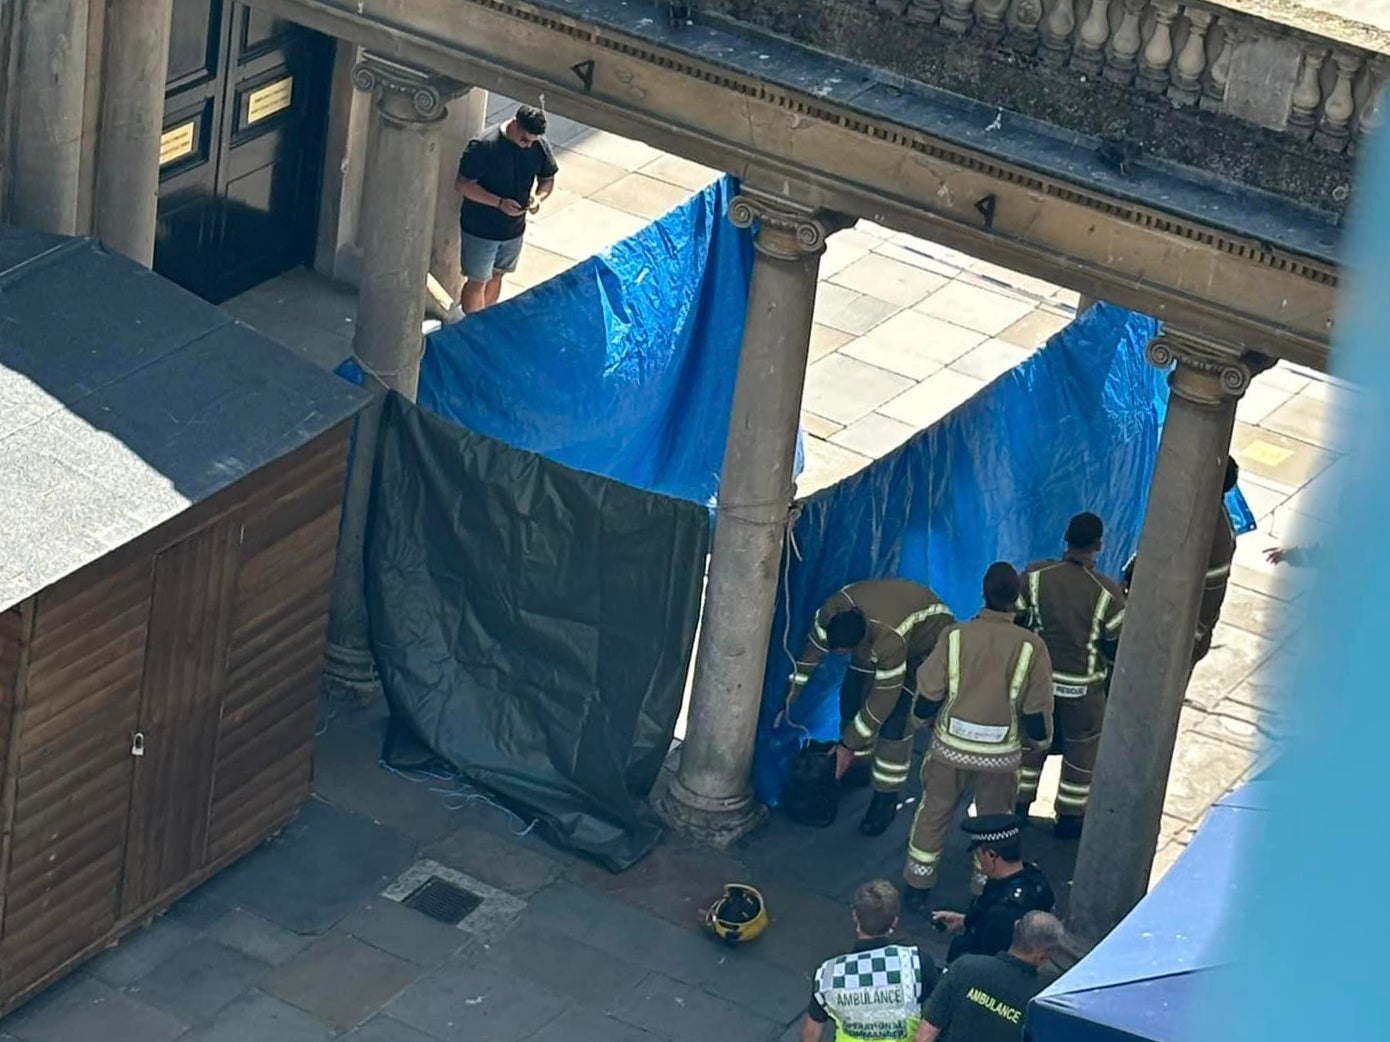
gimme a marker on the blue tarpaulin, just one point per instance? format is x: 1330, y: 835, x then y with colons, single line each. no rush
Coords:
x: 623, y: 365
x: 1073, y: 428
x: 1146, y: 979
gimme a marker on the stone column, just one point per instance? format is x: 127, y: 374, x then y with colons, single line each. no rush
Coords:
x: 397, y: 223
x: 712, y: 797
x: 47, y: 141
x: 1153, y: 665
x: 132, y: 116
x: 467, y: 117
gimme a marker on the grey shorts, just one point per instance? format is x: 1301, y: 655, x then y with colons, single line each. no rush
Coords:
x: 483, y: 258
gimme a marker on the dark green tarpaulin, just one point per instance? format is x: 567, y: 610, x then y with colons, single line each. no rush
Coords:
x: 533, y: 624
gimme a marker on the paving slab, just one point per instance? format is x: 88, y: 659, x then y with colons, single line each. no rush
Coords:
x: 461, y: 1002
x: 827, y: 464
x: 537, y: 265
x: 825, y: 339
x: 1036, y: 328
x: 1204, y: 769
x: 1308, y: 418
x: 890, y: 280
x: 341, y: 980
x: 257, y: 938
x: 916, y: 258
x: 559, y: 963
x: 844, y: 389
x: 932, y: 399
x: 382, y: 1028
x: 1028, y: 285
x: 258, y: 1017
x: 317, y: 870
x: 926, y: 248
x: 583, y: 175
x: 987, y: 311
x: 679, y: 171
x: 403, y: 932
x: 819, y: 427
x: 616, y: 150
x: 676, y: 1011
x: 849, y: 311
x: 1277, y: 458
x: 644, y: 196
x: 1259, y: 400
x: 196, y: 982
x: 198, y: 909
x: 140, y: 952
x: 991, y: 360
x: 586, y: 1026
x: 1234, y: 655
x: 81, y: 1009
x: 840, y: 253
x: 583, y: 229
x: 874, y: 436
x: 503, y: 863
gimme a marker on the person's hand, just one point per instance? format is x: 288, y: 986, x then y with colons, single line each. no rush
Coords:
x: 1275, y: 554
x: 952, y: 921
x: 510, y: 207
x: 844, y: 759
x: 534, y: 206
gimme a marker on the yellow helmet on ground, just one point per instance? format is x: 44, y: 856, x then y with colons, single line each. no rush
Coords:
x: 739, y: 916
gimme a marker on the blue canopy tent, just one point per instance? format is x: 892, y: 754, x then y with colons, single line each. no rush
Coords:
x: 1147, y: 979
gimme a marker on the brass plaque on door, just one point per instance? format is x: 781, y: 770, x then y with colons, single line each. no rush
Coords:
x: 177, y: 143
x: 268, y: 100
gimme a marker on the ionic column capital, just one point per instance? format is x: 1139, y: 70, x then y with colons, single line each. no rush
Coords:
x: 1205, y: 371
x: 785, y: 230
x: 403, y: 92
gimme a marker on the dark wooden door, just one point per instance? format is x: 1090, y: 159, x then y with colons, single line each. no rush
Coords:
x: 180, y: 705
x: 241, y: 159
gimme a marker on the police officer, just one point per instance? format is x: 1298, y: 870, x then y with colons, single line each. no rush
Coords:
x: 1012, y: 888
x: 989, y: 684
x: 984, y: 997
x: 1078, y: 613
x: 1223, y: 552
x: 877, y: 990
x: 888, y: 627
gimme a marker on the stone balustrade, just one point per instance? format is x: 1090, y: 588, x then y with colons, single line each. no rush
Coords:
x: 1196, y: 55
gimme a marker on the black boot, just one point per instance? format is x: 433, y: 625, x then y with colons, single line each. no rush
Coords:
x: 883, y: 808
x: 917, y: 903
x: 1068, y: 827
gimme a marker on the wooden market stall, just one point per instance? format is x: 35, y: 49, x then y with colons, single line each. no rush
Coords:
x: 170, y: 483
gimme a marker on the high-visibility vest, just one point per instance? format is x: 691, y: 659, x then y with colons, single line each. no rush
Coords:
x: 873, y: 996
x: 979, y: 739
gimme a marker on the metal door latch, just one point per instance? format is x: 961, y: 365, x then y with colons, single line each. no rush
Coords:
x: 137, y: 744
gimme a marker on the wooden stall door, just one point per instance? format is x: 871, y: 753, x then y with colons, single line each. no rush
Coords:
x: 176, y: 739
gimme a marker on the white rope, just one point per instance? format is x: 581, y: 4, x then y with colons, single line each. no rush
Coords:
x: 462, y: 791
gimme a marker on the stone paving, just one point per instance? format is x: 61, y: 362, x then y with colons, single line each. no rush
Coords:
x: 296, y: 943
x: 906, y: 330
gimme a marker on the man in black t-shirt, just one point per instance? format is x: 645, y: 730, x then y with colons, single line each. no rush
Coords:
x: 982, y: 998
x: 503, y: 175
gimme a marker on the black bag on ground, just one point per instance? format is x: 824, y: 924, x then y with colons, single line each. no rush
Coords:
x: 812, y: 795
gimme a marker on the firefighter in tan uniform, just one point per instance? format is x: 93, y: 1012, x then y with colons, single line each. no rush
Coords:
x: 888, y: 627
x: 989, y: 684
x: 1078, y: 613
x: 1222, y: 553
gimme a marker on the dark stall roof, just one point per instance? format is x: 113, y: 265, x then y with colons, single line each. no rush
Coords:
x: 124, y: 400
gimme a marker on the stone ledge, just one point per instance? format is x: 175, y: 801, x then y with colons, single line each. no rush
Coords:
x: 1247, y: 101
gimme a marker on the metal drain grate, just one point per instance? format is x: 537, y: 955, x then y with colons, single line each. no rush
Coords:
x: 442, y: 900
